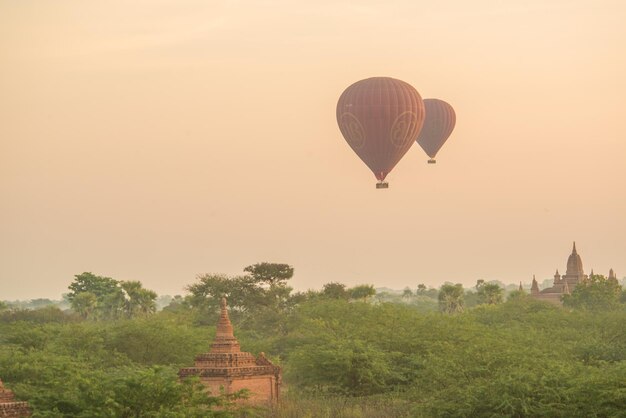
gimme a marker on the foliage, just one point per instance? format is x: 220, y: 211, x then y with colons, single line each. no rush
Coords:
x: 98, y: 297
x: 489, y: 293
x: 270, y: 273
x: 138, y: 301
x: 298, y: 405
x: 363, y: 291
x: 596, y: 293
x: 451, y: 298
x: 41, y: 316
x: 341, y: 358
x: 334, y: 290
x: 99, y: 286
x: 517, y: 294
x: 424, y: 291
x: 265, y: 287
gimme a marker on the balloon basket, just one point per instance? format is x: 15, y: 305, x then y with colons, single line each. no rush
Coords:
x: 432, y: 161
x: 382, y: 185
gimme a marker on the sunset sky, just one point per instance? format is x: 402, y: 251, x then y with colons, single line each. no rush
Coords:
x: 157, y: 140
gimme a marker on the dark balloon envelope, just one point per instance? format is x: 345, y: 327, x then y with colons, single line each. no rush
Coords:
x: 380, y: 118
x: 439, y: 124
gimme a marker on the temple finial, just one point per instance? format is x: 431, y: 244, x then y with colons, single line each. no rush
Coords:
x: 521, y: 288
x: 223, y: 303
x: 574, y: 248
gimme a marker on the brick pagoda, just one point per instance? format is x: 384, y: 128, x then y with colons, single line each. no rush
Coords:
x: 227, y: 367
x: 9, y: 408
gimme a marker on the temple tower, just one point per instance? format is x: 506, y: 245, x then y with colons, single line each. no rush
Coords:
x: 574, y: 273
x: 9, y: 407
x: 534, y: 289
x: 563, y: 284
x: 227, y: 368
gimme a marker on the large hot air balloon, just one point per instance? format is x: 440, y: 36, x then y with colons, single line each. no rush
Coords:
x: 380, y: 117
x: 439, y: 124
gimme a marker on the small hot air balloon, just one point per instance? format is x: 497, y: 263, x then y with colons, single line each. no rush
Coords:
x: 439, y: 124
x: 380, y: 117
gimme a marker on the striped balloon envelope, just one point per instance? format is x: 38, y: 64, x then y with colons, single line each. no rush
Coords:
x: 439, y: 124
x: 380, y: 118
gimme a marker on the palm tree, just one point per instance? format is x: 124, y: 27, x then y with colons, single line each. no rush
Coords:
x: 490, y: 293
x: 451, y: 298
x: 84, y: 304
x: 137, y: 300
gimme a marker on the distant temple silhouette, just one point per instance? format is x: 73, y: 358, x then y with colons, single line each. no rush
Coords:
x: 565, y: 284
x: 226, y: 368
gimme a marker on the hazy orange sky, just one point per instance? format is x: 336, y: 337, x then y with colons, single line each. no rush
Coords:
x: 156, y: 140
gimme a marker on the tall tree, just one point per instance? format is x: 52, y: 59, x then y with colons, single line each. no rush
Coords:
x: 264, y: 287
x: 88, y: 282
x: 489, y: 293
x: 270, y: 273
x: 100, y: 297
x: 334, y: 290
x: 137, y: 300
x: 451, y: 298
x: 363, y: 291
x: 84, y: 304
x: 86, y: 287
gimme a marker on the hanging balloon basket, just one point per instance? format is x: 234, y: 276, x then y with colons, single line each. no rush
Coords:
x: 432, y: 161
x: 382, y: 185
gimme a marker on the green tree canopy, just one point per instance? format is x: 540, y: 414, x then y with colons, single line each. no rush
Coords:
x: 451, y: 298
x: 363, y: 291
x: 489, y: 293
x: 270, y: 273
x: 101, y: 297
x: 137, y: 300
x: 597, y: 293
x: 265, y: 287
x: 88, y: 282
x: 334, y: 290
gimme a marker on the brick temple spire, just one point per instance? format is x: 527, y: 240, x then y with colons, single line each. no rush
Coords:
x: 226, y: 368
x: 225, y: 341
x: 534, y: 289
x: 11, y: 408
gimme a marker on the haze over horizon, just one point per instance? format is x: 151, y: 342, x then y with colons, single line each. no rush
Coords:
x: 159, y: 140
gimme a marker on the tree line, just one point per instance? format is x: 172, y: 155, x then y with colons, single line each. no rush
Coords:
x: 345, y: 351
